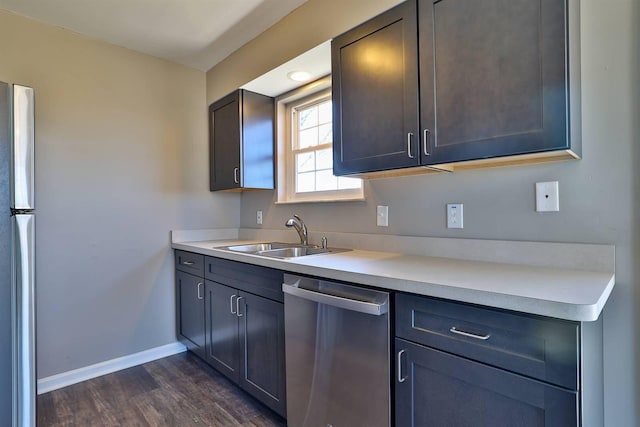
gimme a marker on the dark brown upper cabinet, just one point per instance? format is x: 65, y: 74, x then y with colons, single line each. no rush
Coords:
x: 498, y: 83
x: 375, y: 94
x: 241, y: 142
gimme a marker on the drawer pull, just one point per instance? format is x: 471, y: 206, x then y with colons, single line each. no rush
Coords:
x: 231, y: 304
x: 455, y: 330
x: 238, y: 307
x: 187, y: 262
x: 401, y: 378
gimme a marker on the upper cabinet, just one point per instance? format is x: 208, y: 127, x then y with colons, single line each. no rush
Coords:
x: 375, y: 94
x: 241, y: 142
x: 493, y: 78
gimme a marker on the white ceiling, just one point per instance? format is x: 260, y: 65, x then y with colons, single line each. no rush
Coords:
x: 196, y: 33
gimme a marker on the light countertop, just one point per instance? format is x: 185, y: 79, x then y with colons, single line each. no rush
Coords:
x: 562, y: 293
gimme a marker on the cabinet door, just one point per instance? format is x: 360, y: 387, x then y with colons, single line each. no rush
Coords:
x: 262, y: 348
x: 375, y: 101
x: 493, y: 77
x: 224, y: 143
x: 222, y: 329
x: 190, y: 292
x: 435, y: 388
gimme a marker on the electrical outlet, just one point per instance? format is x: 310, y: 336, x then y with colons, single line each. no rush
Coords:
x: 382, y: 216
x: 547, y: 197
x: 455, y: 215
x: 259, y: 217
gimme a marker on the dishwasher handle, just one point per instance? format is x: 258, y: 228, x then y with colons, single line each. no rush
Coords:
x: 366, y: 307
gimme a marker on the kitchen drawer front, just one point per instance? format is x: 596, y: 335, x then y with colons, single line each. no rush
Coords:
x: 257, y: 280
x: 190, y: 263
x: 541, y: 348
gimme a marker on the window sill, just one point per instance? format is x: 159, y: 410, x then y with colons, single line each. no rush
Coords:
x: 328, y: 200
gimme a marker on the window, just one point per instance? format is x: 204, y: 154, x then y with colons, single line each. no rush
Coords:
x: 306, y: 156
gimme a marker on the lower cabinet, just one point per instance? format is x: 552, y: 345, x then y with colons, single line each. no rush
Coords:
x: 191, y: 311
x: 231, y: 315
x: 245, y: 341
x: 190, y: 301
x: 222, y: 330
x: 435, y: 388
x: 459, y: 365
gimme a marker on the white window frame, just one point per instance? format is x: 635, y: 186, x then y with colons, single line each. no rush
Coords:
x: 312, y: 93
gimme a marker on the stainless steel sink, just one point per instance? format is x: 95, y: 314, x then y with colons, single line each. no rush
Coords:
x: 299, y: 251
x: 258, y: 247
x: 282, y: 250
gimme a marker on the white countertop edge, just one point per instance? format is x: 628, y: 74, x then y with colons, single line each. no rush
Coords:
x: 544, y: 307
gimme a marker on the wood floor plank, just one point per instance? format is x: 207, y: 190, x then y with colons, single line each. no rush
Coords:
x: 180, y: 390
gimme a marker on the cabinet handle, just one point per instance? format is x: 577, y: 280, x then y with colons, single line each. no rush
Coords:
x: 425, y: 143
x: 401, y: 379
x: 469, y: 334
x: 409, y: 137
x: 200, y: 296
x: 232, y: 304
x: 187, y: 262
x: 235, y: 175
x: 238, y: 306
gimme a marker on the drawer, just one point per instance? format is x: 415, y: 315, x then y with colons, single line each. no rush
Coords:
x: 255, y: 279
x: 542, y: 348
x: 190, y: 263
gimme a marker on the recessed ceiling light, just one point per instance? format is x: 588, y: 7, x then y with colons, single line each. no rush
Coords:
x: 299, y: 76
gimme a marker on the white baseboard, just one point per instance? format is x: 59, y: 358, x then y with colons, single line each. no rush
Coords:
x: 65, y: 379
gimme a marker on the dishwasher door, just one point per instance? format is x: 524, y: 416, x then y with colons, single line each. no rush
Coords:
x: 337, y: 342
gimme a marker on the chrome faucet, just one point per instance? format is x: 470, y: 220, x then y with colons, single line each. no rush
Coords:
x: 297, y: 223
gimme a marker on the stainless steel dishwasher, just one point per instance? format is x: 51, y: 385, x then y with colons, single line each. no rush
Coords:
x: 337, y: 354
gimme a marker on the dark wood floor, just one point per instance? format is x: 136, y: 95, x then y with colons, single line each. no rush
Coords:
x: 179, y: 390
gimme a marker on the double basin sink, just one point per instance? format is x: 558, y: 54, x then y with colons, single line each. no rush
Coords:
x: 282, y: 250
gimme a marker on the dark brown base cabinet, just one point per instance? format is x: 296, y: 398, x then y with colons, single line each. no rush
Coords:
x: 463, y: 365
x: 454, y: 84
x: 245, y: 341
x: 190, y: 293
x: 190, y: 301
x: 232, y: 316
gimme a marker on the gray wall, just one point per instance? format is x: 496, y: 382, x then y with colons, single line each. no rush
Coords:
x: 121, y: 159
x: 599, y: 195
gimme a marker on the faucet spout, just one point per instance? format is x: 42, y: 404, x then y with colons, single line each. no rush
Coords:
x: 298, y: 224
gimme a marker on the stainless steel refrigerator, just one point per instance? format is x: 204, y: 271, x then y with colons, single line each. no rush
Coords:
x: 17, y: 263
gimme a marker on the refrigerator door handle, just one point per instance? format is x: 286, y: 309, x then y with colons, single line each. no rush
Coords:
x: 23, y: 301
x: 22, y: 149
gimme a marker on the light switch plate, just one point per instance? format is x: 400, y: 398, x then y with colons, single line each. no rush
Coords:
x: 455, y: 215
x: 382, y: 216
x: 259, y: 217
x: 547, y: 197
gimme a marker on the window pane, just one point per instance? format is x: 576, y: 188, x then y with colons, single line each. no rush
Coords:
x: 325, y: 113
x: 308, y: 117
x: 325, y: 159
x: 305, y: 162
x: 325, y: 133
x: 308, y: 138
x: 305, y: 182
x: 348, y: 183
x: 325, y: 180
